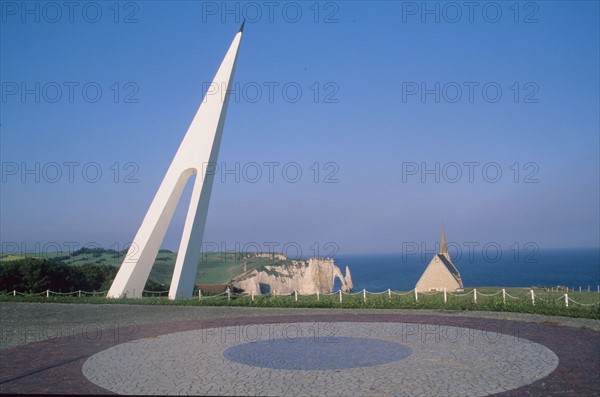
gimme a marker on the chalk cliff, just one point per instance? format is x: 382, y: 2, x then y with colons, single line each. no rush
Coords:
x: 348, y: 279
x: 306, y: 277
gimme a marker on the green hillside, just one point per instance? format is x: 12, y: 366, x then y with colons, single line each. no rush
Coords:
x: 213, y: 268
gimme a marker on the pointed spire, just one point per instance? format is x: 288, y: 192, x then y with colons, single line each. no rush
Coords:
x: 241, y: 29
x: 443, y: 246
x: 348, y: 279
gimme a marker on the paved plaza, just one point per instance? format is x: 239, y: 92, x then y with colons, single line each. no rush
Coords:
x: 246, y: 351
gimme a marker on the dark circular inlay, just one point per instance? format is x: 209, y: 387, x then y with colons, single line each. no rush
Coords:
x: 311, y: 353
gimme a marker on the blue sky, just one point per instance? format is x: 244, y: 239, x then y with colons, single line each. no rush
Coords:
x: 509, y: 89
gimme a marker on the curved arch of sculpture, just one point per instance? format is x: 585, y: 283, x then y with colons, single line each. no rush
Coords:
x: 198, y: 150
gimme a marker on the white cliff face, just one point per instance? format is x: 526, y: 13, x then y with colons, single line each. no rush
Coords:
x: 348, y: 279
x: 306, y: 277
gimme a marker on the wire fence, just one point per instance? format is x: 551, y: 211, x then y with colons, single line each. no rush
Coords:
x: 530, y: 295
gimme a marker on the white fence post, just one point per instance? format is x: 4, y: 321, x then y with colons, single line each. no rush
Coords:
x: 79, y: 293
x: 364, y: 295
x: 317, y: 295
x: 199, y: 294
x: 296, y: 296
x: 503, y: 295
x: 475, y: 295
x: 47, y: 293
x: 416, y: 295
x: 445, y: 296
x: 14, y: 292
x: 580, y: 288
x: 566, y: 300
x: 340, y: 296
x: 389, y: 293
x: 532, y: 297
x: 228, y: 295
x: 252, y: 296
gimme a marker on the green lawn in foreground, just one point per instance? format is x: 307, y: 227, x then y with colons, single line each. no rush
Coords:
x: 548, y: 303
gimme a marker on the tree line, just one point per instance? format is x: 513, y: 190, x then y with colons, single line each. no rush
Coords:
x: 33, y: 275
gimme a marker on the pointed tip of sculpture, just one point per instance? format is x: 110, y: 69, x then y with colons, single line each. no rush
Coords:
x: 241, y: 29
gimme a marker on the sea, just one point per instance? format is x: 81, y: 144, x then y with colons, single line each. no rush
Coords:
x: 571, y: 268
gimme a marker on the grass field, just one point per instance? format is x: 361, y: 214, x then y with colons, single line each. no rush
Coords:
x: 518, y: 300
x: 214, y: 268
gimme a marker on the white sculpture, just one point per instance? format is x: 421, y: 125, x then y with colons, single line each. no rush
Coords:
x: 199, y: 148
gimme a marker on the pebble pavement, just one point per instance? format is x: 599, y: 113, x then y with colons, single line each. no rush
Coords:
x: 449, y: 361
x: 54, y: 348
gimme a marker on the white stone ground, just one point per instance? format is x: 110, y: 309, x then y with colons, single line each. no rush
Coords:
x: 446, y: 361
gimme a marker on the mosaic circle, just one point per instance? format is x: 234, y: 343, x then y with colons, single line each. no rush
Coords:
x: 311, y: 353
x: 445, y: 360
